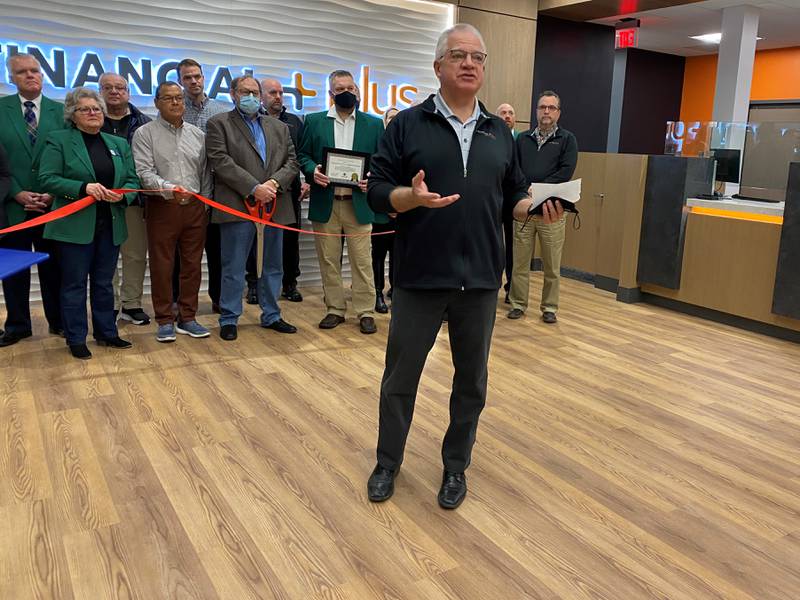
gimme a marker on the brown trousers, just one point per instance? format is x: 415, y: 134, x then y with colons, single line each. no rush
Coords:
x: 171, y: 225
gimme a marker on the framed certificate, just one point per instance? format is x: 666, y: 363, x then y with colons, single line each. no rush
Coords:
x: 345, y: 168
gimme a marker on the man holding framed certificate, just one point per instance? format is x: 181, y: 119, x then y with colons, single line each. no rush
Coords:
x: 334, y: 155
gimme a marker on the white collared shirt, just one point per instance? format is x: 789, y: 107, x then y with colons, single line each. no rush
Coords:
x: 37, y: 106
x: 343, y: 133
x: 464, y: 131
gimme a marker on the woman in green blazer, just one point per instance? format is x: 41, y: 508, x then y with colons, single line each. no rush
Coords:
x: 77, y: 162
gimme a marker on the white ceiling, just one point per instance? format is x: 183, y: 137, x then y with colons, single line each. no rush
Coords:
x: 669, y: 29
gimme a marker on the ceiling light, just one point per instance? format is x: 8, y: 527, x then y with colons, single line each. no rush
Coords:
x: 711, y: 38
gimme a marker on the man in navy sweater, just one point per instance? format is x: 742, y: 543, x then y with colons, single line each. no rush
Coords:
x: 448, y: 168
x: 547, y: 154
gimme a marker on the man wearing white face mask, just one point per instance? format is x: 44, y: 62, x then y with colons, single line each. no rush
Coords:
x: 253, y: 157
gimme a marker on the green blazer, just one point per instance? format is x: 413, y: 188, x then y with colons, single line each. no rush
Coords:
x: 65, y: 166
x: 318, y: 134
x: 22, y: 157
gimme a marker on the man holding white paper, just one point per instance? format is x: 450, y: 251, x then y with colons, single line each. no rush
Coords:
x: 547, y: 154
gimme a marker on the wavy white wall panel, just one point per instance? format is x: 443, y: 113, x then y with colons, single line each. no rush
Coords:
x: 395, y: 38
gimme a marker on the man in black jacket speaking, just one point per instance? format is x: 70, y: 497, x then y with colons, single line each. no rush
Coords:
x: 547, y: 154
x: 448, y: 168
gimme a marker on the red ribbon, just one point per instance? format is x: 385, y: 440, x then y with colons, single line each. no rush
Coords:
x: 74, y: 207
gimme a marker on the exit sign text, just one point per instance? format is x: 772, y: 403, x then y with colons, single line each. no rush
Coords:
x: 627, y: 38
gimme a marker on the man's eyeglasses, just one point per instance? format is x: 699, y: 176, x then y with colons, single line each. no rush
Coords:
x: 548, y: 108
x: 89, y: 109
x: 171, y: 99
x: 114, y: 88
x: 456, y: 55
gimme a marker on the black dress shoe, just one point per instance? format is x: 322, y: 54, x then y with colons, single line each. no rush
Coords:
x: 367, y: 325
x: 115, y: 342
x: 56, y: 331
x: 252, y: 294
x: 10, y: 338
x: 215, y: 308
x: 453, y: 490
x: 80, y: 351
x: 292, y: 295
x: 330, y: 321
x: 228, y: 332
x: 281, y: 326
x: 549, y: 317
x: 380, y: 304
x: 380, y: 485
x: 507, y: 300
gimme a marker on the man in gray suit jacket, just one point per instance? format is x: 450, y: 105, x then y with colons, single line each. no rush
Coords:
x: 252, y: 155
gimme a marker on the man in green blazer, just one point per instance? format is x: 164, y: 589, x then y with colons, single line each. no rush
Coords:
x: 341, y: 209
x: 26, y: 118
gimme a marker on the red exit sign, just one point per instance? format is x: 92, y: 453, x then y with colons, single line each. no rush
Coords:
x: 627, y: 38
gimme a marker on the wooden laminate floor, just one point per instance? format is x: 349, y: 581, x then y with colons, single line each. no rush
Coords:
x: 627, y: 452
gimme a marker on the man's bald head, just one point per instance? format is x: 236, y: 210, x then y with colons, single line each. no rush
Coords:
x: 272, y: 96
x: 506, y: 112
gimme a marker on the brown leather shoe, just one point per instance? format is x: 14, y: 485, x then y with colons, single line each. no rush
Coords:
x: 367, y: 325
x: 330, y: 321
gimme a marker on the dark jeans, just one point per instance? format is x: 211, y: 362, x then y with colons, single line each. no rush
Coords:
x: 214, y: 262
x: 416, y: 319
x: 95, y: 261
x: 17, y: 288
x: 381, y: 246
x: 291, y: 260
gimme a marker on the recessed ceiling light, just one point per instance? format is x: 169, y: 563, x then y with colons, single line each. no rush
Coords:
x: 711, y: 38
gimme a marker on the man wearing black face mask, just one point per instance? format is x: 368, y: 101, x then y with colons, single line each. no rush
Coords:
x: 340, y: 209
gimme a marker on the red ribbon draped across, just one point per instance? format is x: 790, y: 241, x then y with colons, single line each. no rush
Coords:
x: 74, y: 207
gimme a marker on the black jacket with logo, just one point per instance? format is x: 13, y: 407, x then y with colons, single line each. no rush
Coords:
x: 554, y: 162
x: 459, y: 246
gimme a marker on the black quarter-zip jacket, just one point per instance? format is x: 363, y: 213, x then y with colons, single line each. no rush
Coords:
x: 459, y: 246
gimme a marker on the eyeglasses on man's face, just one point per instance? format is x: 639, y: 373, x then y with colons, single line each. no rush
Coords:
x: 115, y: 88
x: 456, y: 55
x: 172, y: 99
x: 547, y: 108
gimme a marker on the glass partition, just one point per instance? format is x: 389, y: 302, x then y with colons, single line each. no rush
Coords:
x: 751, y: 159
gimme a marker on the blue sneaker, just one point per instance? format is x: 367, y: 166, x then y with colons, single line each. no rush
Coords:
x: 165, y: 333
x: 193, y: 329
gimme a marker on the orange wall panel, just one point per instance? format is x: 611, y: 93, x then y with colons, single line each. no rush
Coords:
x: 776, y: 76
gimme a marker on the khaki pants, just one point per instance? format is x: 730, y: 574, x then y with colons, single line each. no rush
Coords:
x: 551, y: 242
x: 359, y: 250
x: 134, y: 261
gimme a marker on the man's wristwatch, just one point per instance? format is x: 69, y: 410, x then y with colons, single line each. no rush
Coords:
x: 275, y: 181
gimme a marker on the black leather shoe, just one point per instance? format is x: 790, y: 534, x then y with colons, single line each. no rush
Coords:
x: 115, y: 342
x: 367, y: 325
x: 515, y: 313
x: 380, y: 485
x: 330, y: 321
x: 228, y: 333
x: 252, y: 294
x: 549, y: 317
x: 80, y: 351
x: 292, y: 295
x: 380, y: 304
x: 281, y: 326
x: 453, y: 490
x: 56, y: 331
x: 507, y: 300
x: 10, y: 338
